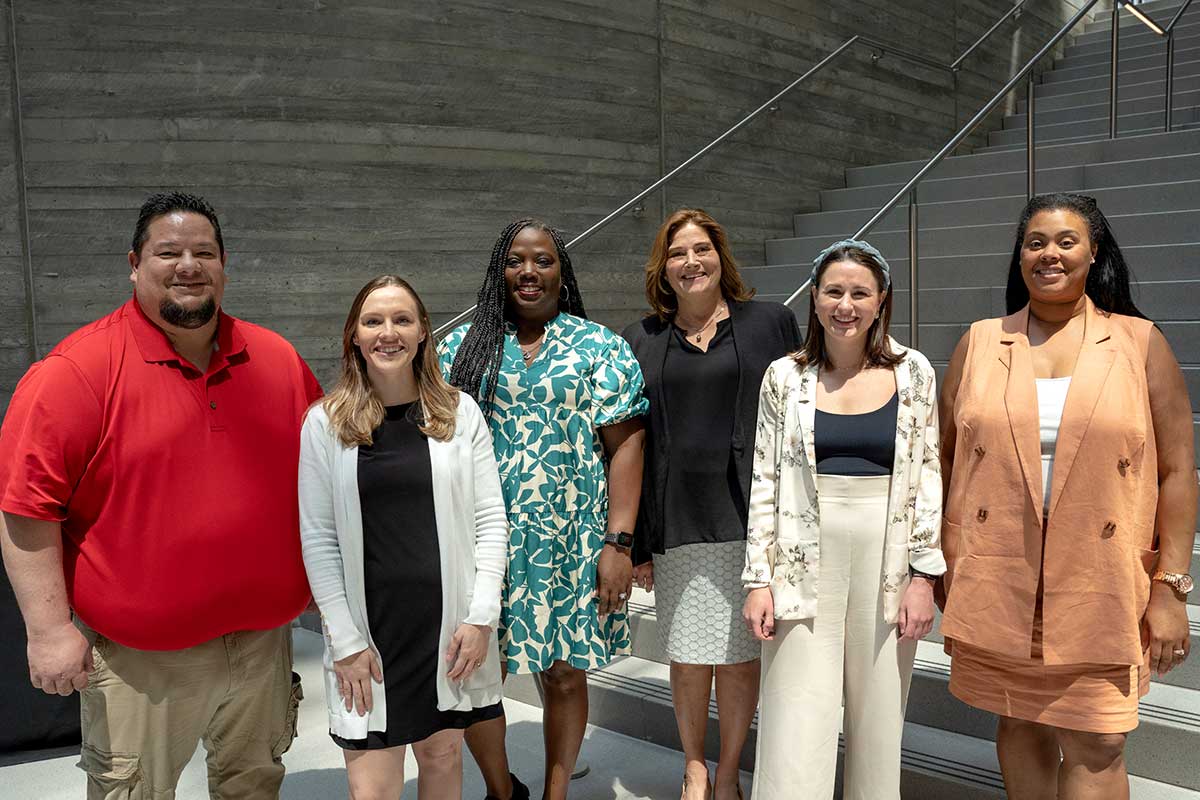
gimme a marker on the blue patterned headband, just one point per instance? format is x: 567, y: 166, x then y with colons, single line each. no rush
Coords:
x: 856, y: 244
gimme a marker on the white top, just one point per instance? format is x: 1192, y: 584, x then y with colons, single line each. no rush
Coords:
x: 1052, y: 396
x: 472, y: 532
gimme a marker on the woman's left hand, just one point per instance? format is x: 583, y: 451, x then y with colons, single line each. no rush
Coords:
x: 614, y: 580
x: 1166, y: 625
x: 916, y: 609
x: 468, y: 650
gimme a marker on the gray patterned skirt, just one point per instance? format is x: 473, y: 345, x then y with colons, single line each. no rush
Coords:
x: 698, y: 597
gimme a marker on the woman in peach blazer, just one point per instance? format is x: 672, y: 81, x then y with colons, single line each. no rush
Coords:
x: 1069, y: 518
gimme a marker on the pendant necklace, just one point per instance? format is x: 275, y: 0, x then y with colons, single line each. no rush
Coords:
x: 695, y: 337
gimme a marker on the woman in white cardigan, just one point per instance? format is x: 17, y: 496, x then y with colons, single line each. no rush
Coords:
x: 404, y: 536
x: 842, y: 542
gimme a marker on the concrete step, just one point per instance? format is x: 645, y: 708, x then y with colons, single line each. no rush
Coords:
x: 1151, y: 54
x: 1126, y: 108
x: 1134, y: 30
x: 1100, y: 79
x: 1145, y: 198
x: 1139, y: 91
x: 1093, y: 177
x: 632, y: 696
x: 1090, y: 137
x: 1153, y: 144
x: 1131, y: 230
x: 1100, y: 52
x: 1094, y: 126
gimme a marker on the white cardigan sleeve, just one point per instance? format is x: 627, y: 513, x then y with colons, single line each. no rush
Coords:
x: 761, y: 534
x: 318, y: 534
x: 491, y: 521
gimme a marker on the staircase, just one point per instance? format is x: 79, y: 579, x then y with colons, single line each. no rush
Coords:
x: 1148, y: 184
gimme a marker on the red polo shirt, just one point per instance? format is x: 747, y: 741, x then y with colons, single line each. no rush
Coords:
x: 176, y: 491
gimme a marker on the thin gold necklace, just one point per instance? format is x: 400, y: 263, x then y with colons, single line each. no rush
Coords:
x: 527, y: 355
x: 712, y: 320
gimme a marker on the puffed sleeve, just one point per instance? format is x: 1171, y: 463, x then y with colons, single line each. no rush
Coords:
x: 447, y: 349
x: 617, y: 384
x: 760, y: 531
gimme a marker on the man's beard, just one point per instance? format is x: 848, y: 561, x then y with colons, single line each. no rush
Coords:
x: 190, y: 318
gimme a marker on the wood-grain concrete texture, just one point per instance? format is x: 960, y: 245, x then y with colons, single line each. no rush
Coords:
x: 341, y: 139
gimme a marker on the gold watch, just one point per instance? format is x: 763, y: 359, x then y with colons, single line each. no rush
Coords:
x: 1179, y: 581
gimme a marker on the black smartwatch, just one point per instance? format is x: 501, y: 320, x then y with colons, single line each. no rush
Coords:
x: 620, y: 540
x: 916, y: 573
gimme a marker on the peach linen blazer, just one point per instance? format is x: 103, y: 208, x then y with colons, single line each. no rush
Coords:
x: 1098, y: 545
x: 783, y: 538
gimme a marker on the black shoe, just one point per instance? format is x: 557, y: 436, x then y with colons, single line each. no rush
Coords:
x: 520, y: 791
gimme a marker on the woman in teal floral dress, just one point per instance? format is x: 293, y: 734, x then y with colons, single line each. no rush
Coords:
x: 561, y: 394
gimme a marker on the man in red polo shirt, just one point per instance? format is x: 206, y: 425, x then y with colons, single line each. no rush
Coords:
x: 148, y: 484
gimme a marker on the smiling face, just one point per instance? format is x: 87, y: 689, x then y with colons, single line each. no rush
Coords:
x: 693, y: 266
x: 532, y: 275
x: 388, y: 333
x: 1056, y: 255
x: 847, y: 300
x: 179, y: 274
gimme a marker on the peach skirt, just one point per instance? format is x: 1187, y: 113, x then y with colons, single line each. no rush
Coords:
x: 1096, y: 698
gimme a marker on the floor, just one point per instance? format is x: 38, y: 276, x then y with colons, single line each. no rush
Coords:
x: 622, y: 768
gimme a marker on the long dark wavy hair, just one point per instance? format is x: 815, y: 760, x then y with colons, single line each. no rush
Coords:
x: 1108, y: 279
x: 477, y: 362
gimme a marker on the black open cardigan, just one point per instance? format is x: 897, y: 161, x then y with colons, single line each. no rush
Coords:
x: 762, y: 333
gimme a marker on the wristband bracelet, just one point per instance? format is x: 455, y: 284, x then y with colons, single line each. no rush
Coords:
x: 916, y: 573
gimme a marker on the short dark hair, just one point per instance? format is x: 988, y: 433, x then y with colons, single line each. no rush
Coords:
x: 1108, y: 282
x: 162, y: 203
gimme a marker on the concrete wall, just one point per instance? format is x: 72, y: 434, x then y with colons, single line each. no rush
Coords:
x: 342, y: 138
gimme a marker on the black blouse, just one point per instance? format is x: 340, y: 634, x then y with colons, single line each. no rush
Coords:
x: 703, y: 501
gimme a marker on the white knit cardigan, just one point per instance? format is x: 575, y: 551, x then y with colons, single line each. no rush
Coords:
x: 473, y: 548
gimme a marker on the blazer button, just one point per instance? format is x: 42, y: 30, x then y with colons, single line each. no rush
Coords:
x: 981, y: 515
x: 1123, y: 465
x: 980, y: 450
x: 1110, y: 527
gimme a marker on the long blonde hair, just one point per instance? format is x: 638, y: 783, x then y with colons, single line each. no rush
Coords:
x: 353, y: 406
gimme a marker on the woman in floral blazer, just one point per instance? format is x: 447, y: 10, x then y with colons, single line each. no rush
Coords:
x: 843, y: 538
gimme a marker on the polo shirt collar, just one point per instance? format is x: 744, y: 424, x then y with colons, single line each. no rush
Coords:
x: 154, y: 345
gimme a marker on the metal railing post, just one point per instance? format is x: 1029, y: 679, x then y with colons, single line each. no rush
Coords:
x: 1170, y: 89
x: 912, y: 269
x: 1030, y: 165
x: 1112, y: 78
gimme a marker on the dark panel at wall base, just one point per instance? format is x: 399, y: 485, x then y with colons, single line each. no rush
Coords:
x: 343, y: 139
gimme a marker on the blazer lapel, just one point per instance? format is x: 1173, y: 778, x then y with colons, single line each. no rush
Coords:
x: 1020, y: 402
x: 1095, y: 360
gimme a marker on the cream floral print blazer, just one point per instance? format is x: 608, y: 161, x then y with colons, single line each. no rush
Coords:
x: 783, y: 540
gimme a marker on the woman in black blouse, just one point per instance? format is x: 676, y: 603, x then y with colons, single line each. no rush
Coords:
x: 703, y: 352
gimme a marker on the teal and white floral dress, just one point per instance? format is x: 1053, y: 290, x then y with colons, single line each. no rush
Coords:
x: 545, y: 432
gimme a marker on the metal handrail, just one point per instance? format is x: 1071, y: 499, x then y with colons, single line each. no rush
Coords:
x: 769, y: 105
x: 1025, y: 73
x: 909, y: 188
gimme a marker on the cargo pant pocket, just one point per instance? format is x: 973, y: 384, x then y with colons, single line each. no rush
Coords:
x: 112, y: 776
x: 284, y: 742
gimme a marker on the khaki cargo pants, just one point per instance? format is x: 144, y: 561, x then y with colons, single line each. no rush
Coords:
x: 143, y: 713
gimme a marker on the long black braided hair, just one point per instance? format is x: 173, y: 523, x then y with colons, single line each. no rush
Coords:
x: 477, y: 362
x: 1107, y: 280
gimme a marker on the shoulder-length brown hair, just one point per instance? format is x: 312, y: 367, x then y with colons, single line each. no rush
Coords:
x: 354, y: 408
x: 659, y: 293
x: 879, y: 352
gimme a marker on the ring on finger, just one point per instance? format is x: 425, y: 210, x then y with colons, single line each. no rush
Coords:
x: 1180, y: 653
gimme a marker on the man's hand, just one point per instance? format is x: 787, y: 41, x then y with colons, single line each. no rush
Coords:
x: 60, y: 659
x: 614, y: 579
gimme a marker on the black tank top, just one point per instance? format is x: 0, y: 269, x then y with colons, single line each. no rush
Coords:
x: 856, y: 444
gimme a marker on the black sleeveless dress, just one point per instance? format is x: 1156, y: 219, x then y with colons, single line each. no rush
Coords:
x: 403, y: 581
